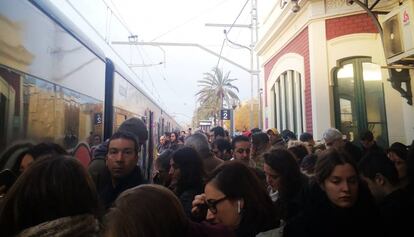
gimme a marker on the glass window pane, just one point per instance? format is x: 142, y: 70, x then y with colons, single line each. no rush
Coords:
x: 290, y: 101
x: 283, y: 101
x: 279, y: 105
x: 374, y: 98
x: 298, y: 103
x: 39, y: 110
x: 47, y: 51
x: 346, y: 94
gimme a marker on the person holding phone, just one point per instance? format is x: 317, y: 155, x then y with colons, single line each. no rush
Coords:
x: 234, y: 197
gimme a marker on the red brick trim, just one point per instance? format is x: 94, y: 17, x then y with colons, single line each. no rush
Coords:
x: 299, y: 45
x: 346, y: 25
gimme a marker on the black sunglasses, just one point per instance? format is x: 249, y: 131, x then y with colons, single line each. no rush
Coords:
x: 212, y: 204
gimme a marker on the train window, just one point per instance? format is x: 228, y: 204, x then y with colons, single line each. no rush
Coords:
x: 36, y: 45
x: 52, y: 85
x: 42, y: 111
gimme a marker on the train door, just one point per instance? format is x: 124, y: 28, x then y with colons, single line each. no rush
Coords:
x: 7, y: 101
x: 150, y: 144
x: 359, y: 99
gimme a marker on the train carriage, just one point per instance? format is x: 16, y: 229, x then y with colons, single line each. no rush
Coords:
x: 59, y: 84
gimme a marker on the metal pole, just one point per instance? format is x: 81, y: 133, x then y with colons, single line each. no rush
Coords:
x: 255, y: 29
x: 251, y: 65
x: 232, y: 122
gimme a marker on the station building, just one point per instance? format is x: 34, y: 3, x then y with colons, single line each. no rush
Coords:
x: 323, y: 66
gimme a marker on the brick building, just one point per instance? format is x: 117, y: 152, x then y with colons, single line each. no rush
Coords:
x: 322, y: 68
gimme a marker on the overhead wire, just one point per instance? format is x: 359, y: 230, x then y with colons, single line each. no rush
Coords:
x: 106, y: 39
x: 121, y: 20
x: 228, y: 31
x: 139, y: 49
x: 189, y: 20
x: 226, y: 39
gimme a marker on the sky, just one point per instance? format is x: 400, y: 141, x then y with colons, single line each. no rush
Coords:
x: 173, y: 84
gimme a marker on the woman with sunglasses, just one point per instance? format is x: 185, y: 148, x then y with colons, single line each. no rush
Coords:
x: 235, y: 198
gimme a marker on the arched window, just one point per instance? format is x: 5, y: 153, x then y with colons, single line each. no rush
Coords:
x: 359, y: 99
x: 288, y: 101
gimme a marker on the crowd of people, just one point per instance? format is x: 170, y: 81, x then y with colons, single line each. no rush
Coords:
x: 258, y: 184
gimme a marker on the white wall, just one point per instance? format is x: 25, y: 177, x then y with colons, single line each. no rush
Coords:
x: 408, y: 115
x: 321, y: 114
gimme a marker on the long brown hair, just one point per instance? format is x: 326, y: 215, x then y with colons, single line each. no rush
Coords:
x: 52, y: 187
x: 146, y: 210
x: 328, y: 160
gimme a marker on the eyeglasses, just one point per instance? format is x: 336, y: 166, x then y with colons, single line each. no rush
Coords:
x: 241, y: 150
x: 212, y: 204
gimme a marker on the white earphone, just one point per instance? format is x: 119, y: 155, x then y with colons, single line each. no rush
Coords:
x: 238, y: 207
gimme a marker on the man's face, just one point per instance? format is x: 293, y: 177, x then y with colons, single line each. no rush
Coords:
x: 96, y: 140
x: 375, y: 187
x: 167, y: 138
x: 242, y: 151
x: 122, y: 157
x: 173, y: 137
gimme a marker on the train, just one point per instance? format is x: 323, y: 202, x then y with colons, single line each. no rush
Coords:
x: 59, y: 84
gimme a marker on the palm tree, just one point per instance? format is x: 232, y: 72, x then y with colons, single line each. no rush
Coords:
x: 216, y: 89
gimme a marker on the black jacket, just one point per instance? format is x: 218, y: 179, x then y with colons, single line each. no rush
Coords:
x: 397, y: 213
x: 108, y: 193
x: 320, y: 218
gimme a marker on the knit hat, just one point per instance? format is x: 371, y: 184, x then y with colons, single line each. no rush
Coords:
x: 274, y: 130
x: 135, y: 126
x: 399, y: 149
x: 331, y: 134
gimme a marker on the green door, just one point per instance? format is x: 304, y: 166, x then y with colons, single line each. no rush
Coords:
x: 359, y: 100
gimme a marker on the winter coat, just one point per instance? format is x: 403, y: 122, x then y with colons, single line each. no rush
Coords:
x: 108, y: 193
x: 204, y: 229
x: 71, y: 226
x: 397, y: 213
x: 320, y: 218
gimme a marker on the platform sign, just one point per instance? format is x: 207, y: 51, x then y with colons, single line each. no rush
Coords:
x: 225, y: 114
